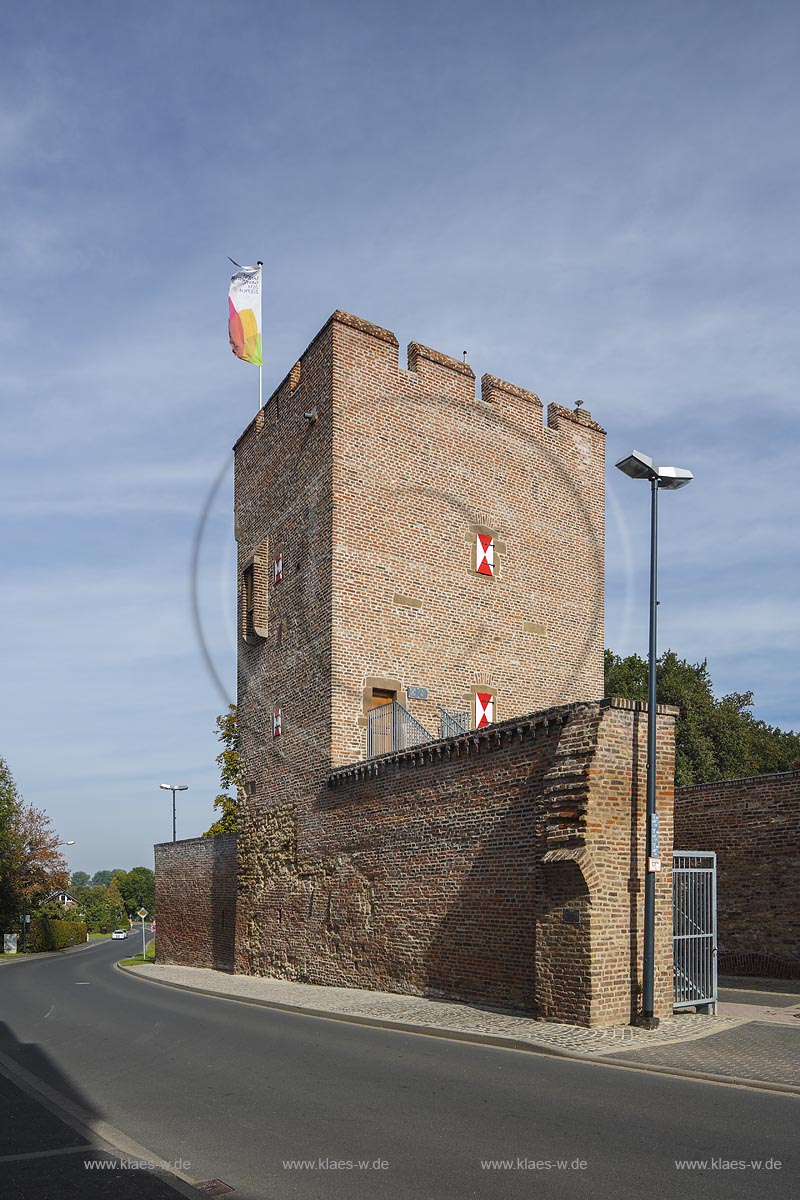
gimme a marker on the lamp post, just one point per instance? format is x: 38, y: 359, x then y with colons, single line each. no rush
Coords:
x: 639, y: 466
x: 174, y: 787
x: 25, y: 899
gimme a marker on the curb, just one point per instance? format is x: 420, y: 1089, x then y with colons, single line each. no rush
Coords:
x: 42, y: 954
x: 497, y: 1041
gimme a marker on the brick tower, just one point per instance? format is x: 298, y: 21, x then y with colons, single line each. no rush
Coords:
x: 408, y: 547
x: 436, y: 799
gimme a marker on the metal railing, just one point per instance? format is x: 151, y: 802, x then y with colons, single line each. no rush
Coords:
x: 390, y: 728
x: 453, y: 722
x: 694, y: 929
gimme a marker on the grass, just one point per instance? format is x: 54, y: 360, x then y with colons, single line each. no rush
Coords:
x: 138, y: 959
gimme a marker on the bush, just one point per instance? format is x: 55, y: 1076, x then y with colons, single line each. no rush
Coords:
x: 44, y: 933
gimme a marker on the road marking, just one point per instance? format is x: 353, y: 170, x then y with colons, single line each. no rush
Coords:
x: 82, y: 983
x: 110, y: 1139
x: 46, y: 1153
x: 50, y: 1011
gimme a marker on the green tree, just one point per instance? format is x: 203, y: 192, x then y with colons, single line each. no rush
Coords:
x: 229, y: 765
x: 53, y: 909
x: 96, y: 907
x: 103, y: 878
x: 714, y: 738
x: 9, y: 801
x: 80, y: 879
x: 138, y: 889
x: 116, y: 907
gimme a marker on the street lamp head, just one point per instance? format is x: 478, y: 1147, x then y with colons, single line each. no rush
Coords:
x: 174, y: 787
x: 640, y: 466
x: 673, y: 478
x: 71, y: 843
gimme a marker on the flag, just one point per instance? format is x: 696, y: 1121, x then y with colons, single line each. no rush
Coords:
x: 244, y: 314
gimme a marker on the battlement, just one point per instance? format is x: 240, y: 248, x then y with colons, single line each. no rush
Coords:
x: 375, y: 351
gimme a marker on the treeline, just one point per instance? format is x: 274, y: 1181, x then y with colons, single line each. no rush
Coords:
x: 716, y: 738
x: 108, y: 898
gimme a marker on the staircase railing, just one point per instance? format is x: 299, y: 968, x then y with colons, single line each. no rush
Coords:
x: 391, y: 728
x: 453, y: 722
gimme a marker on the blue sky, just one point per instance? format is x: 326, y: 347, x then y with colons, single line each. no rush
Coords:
x: 596, y: 201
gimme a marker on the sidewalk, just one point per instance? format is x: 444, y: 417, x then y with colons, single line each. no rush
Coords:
x: 744, y: 1043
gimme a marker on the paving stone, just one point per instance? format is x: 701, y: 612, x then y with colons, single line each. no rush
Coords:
x: 441, y: 1014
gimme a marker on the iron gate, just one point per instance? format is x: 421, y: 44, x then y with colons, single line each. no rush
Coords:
x: 694, y: 928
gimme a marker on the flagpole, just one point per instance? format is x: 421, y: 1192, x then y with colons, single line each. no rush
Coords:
x: 260, y: 264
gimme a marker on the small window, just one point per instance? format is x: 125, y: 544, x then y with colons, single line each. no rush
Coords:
x: 248, y: 602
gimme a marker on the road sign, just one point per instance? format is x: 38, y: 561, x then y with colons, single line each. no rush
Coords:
x: 654, y: 864
x: 143, y: 913
x: 655, y: 829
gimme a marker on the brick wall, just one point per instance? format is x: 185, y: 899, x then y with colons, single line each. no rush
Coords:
x: 196, y: 901
x: 753, y: 826
x: 502, y: 867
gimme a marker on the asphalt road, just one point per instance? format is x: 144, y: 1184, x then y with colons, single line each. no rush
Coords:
x: 238, y: 1092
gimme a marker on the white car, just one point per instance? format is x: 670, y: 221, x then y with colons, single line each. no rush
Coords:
x: 119, y: 933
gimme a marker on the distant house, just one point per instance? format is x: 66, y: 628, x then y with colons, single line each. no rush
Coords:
x: 62, y: 897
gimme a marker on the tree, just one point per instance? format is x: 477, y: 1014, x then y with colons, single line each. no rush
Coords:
x: 138, y: 889
x: 103, y: 878
x: 80, y: 879
x: 116, y: 907
x: 714, y: 738
x: 30, y: 862
x: 9, y: 800
x: 98, y: 908
x: 229, y: 765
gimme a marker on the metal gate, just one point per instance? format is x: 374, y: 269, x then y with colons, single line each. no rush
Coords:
x: 694, y: 928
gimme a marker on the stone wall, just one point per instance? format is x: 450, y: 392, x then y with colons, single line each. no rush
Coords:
x: 503, y: 867
x: 196, y: 902
x: 753, y: 825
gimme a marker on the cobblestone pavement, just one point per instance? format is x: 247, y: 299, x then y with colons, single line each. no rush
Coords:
x: 756, y: 1050
x: 421, y: 1012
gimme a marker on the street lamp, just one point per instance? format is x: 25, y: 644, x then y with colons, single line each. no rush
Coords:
x: 174, y: 787
x: 639, y: 466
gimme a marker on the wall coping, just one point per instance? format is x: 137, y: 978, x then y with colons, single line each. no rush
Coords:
x: 189, y: 841
x: 474, y: 739
x: 721, y: 783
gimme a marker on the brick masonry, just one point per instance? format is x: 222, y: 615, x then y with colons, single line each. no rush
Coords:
x: 196, y: 901
x: 752, y: 825
x: 502, y: 866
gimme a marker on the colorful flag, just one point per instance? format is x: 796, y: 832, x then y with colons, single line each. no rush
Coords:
x: 244, y: 314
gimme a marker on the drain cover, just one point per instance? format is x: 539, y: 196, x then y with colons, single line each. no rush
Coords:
x: 214, y: 1187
